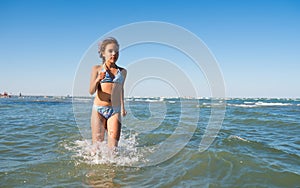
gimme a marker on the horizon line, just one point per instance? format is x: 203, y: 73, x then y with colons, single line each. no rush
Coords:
x: 179, y: 97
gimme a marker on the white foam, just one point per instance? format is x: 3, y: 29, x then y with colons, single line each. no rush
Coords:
x: 259, y: 104
x: 139, y: 100
x: 246, y: 102
x: 152, y: 100
x: 238, y: 138
x: 272, y: 104
x: 81, y: 99
x: 127, y: 153
x: 243, y: 105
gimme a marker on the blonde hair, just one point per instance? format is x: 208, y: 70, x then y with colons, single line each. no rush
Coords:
x: 102, y: 45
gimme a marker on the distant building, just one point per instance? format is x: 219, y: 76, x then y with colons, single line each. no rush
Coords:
x: 4, y: 95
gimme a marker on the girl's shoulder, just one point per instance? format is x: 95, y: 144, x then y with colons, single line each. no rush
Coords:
x: 121, y: 68
x: 97, y: 68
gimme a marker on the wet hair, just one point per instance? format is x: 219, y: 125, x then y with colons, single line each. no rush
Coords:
x: 102, y: 45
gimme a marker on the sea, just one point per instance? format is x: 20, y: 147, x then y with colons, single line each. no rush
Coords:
x: 45, y: 141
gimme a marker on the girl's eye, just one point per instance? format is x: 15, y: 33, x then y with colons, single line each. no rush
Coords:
x: 110, y: 51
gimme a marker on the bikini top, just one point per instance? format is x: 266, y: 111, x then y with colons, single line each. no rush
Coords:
x: 118, y: 78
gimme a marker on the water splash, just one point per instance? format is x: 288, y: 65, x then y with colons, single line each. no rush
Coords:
x: 126, y: 154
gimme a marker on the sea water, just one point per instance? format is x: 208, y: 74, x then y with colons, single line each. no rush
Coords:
x: 45, y: 142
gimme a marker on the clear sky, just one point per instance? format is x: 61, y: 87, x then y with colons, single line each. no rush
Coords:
x: 256, y: 43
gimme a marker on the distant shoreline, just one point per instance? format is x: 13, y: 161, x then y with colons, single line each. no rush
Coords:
x: 153, y: 97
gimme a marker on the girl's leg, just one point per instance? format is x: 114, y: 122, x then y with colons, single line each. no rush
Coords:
x: 98, y: 125
x: 113, y: 130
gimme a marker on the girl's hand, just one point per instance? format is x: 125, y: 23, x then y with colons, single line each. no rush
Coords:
x: 101, y: 76
x: 123, y: 112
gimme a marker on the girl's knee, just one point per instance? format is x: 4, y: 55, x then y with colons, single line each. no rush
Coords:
x: 115, y: 134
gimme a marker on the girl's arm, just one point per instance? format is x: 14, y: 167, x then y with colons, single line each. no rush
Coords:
x: 95, y: 80
x: 123, y: 111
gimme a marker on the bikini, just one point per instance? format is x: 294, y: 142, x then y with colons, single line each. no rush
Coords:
x: 118, y: 78
x: 108, y: 111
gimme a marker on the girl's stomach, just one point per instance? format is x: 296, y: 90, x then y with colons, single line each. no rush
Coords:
x: 109, y: 95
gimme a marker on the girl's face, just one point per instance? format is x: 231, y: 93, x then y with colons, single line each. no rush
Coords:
x: 111, y: 53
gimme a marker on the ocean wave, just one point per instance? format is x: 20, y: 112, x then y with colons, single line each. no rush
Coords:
x: 243, y: 105
x: 247, y: 102
x: 153, y: 100
x: 82, y: 99
x: 259, y: 104
x: 272, y: 104
x: 258, y: 145
x: 203, y: 105
x: 235, y: 137
x: 147, y: 100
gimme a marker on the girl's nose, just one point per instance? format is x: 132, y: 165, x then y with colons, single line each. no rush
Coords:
x: 113, y: 53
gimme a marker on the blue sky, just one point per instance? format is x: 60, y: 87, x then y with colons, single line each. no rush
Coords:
x: 256, y: 43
